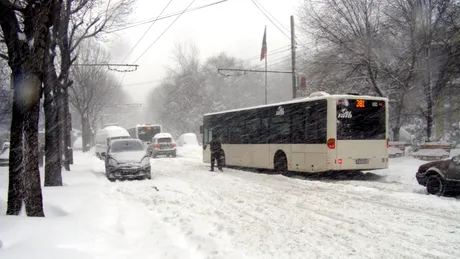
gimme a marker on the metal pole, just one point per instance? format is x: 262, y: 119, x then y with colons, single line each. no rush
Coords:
x: 266, y: 77
x: 294, y: 87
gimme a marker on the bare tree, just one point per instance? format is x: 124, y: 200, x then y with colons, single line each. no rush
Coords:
x: 25, y: 29
x: 402, y: 49
x: 6, y: 94
x: 92, y: 87
x: 78, y: 20
x: 349, y: 31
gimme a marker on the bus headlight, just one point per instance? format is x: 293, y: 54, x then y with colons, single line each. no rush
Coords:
x: 145, y: 161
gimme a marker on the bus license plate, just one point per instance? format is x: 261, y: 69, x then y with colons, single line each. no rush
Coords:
x: 362, y: 161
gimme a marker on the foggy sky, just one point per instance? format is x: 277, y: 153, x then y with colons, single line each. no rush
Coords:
x: 235, y: 27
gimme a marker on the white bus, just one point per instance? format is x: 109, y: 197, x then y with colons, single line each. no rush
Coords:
x: 145, y: 132
x: 315, y: 134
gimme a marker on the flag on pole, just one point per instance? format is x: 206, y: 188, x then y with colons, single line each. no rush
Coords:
x: 263, y: 52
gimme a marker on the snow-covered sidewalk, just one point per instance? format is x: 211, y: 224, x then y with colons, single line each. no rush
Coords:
x: 185, y: 211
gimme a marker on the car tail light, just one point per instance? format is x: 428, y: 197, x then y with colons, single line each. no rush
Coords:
x: 339, y: 161
x: 388, y: 142
x: 173, y: 144
x: 156, y: 145
x: 331, y: 143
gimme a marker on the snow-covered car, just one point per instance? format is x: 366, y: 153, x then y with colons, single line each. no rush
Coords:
x: 5, y: 145
x: 4, y: 157
x: 162, y: 144
x: 440, y: 177
x: 126, y: 159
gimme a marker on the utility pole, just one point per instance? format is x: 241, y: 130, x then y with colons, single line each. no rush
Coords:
x: 294, y: 86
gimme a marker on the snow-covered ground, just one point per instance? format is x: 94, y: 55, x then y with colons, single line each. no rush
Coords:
x: 185, y: 211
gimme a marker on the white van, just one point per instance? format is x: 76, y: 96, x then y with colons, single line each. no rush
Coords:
x: 188, y: 139
x: 105, y: 135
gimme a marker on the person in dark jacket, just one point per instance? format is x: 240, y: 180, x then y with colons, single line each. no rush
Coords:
x: 216, y: 147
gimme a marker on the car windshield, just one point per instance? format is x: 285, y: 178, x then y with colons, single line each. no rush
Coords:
x: 126, y: 146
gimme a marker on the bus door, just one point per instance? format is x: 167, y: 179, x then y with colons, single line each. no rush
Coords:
x: 207, y: 137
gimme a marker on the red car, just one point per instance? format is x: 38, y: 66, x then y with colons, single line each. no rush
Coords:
x: 440, y: 177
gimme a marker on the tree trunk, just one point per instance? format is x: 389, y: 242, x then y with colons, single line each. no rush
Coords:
x: 53, y: 175
x: 15, y: 180
x: 24, y: 183
x: 429, y: 120
x: 85, y: 132
x: 32, y: 186
x: 68, y: 118
x: 398, y: 115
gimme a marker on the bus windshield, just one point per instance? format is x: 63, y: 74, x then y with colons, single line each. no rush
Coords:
x: 146, y: 133
x: 360, y: 120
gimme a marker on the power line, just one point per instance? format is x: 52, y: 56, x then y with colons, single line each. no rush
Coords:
x: 164, y: 31
x: 272, y: 16
x: 135, y: 24
x: 151, y: 25
x: 250, y: 70
x: 273, y: 52
x: 144, y: 83
x: 270, y: 20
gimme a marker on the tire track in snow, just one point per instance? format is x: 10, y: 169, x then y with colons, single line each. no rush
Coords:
x: 273, y: 216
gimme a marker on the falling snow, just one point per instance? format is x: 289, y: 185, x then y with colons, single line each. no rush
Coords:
x: 185, y: 211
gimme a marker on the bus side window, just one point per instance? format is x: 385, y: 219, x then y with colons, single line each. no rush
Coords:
x: 264, y: 131
x: 280, y: 131
x: 253, y: 131
x: 316, y: 123
x: 298, y: 129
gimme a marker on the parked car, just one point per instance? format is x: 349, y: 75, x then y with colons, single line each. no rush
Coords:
x: 440, y: 177
x: 4, y: 156
x: 126, y: 159
x: 6, y: 144
x: 162, y: 144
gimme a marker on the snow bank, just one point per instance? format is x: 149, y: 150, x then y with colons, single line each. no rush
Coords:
x: 395, y: 151
x: 87, y: 218
x: 188, y: 212
x: 431, y: 152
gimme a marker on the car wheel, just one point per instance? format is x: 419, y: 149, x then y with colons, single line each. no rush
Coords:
x: 174, y: 154
x: 435, y: 185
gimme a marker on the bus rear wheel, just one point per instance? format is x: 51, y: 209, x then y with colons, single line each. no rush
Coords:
x: 280, y: 162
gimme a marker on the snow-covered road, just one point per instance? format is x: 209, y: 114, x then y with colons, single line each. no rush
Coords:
x: 185, y: 211
x: 236, y: 213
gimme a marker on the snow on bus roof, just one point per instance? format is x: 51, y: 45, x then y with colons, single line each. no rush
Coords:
x: 146, y: 125
x: 309, y: 98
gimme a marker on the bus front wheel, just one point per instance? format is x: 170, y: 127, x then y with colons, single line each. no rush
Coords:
x: 280, y: 162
